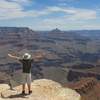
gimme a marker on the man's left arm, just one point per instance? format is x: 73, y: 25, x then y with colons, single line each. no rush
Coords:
x: 38, y: 57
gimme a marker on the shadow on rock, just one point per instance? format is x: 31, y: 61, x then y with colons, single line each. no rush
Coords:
x: 18, y: 96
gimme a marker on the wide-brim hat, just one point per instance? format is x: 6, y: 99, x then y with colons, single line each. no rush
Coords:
x: 26, y: 56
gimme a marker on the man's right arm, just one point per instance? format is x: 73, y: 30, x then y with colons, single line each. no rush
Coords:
x: 15, y: 57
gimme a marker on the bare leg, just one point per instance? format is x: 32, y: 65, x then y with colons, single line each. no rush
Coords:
x: 29, y: 87
x: 23, y: 87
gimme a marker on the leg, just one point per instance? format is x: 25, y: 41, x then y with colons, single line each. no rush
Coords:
x: 29, y: 87
x: 23, y: 83
x: 29, y: 83
x: 23, y: 87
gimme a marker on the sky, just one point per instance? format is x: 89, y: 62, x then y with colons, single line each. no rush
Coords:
x: 50, y: 14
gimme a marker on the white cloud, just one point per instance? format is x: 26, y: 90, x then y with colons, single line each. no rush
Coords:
x: 8, y: 5
x: 10, y: 10
x: 91, y: 26
x: 75, y: 13
x: 83, y: 14
x: 68, y: 0
x: 72, y: 17
x: 21, y: 1
x: 58, y: 22
x: 59, y: 9
x: 63, y: 24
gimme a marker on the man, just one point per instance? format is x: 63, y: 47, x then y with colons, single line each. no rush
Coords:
x: 26, y: 61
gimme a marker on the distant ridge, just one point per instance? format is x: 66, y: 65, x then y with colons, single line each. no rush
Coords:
x: 5, y: 30
x: 56, y: 31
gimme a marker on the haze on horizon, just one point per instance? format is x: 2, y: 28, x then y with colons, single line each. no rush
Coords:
x: 50, y: 14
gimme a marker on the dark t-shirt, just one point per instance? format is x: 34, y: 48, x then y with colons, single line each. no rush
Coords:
x: 26, y: 64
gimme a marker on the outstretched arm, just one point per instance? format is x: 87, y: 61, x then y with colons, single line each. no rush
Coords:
x: 10, y: 55
x: 38, y: 57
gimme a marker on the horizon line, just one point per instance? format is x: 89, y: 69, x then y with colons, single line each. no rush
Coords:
x: 48, y: 29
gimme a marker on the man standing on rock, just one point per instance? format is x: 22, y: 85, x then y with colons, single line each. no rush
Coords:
x: 26, y: 61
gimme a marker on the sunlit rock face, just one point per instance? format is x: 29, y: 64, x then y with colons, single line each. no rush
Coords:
x: 43, y: 89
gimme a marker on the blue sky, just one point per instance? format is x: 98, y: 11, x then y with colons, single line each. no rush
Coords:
x: 50, y: 14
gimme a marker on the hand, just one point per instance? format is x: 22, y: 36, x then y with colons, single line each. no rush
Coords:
x: 39, y: 56
x: 13, y: 56
x: 9, y: 55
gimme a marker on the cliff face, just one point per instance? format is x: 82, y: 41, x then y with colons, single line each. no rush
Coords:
x: 43, y: 89
x: 6, y: 30
x: 15, y: 34
x: 88, y: 88
x: 62, y: 48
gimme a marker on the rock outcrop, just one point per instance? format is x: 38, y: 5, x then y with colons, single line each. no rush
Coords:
x: 43, y: 89
x: 88, y: 88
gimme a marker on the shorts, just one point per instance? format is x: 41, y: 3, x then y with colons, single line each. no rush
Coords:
x: 26, y: 78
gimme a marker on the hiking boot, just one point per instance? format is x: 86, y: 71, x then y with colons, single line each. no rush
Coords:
x: 30, y: 92
x: 23, y: 92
